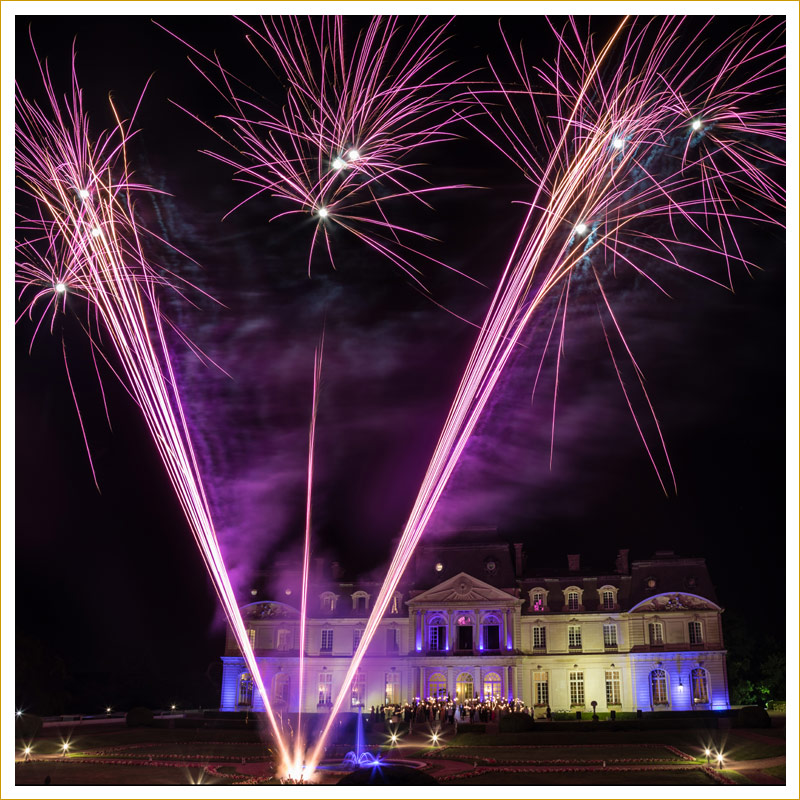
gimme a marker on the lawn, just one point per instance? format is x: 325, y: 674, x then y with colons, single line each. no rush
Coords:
x: 556, y: 753
x: 187, y: 750
x: 777, y: 772
x: 685, y: 777
x: 78, y: 774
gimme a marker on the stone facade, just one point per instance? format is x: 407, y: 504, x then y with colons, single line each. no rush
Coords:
x: 469, y: 620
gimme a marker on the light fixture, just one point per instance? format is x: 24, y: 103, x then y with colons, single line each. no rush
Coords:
x: 253, y: 592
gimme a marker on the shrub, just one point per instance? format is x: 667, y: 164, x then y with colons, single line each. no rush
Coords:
x: 516, y: 723
x: 777, y: 705
x: 753, y: 717
x: 139, y: 716
x: 27, y: 726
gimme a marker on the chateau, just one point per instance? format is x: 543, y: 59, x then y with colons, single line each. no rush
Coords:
x: 471, y: 621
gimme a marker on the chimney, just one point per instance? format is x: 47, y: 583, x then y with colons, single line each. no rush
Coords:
x: 574, y: 562
x: 518, y: 559
x: 622, y: 562
x: 336, y: 571
x: 319, y: 568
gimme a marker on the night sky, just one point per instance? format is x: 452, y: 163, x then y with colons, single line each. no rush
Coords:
x: 111, y: 585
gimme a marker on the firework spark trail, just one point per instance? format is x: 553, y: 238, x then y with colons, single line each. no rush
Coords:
x: 297, y: 768
x: 345, y: 143
x: 84, y: 240
x: 653, y: 142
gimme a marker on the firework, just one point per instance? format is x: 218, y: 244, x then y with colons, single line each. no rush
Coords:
x: 343, y: 148
x: 649, y: 163
x: 82, y: 238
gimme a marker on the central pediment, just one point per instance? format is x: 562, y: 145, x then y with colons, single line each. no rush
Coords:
x: 462, y: 589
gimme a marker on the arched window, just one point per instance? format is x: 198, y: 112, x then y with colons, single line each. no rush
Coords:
x: 464, y: 624
x: 573, y: 597
x: 538, y: 597
x: 327, y: 602
x: 699, y: 686
x: 358, y: 689
x: 245, y: 689
x: 437, y: 633
x: 658, y: 687
x: 492, y: 686
x: 465, y: 687
x: 437, y: 685
x: 608, y: 597
x: 282, y: 687
x: 490, y: 633
x: 360, y: 601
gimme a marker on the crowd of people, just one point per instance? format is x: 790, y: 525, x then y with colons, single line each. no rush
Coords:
x: 447, y: 711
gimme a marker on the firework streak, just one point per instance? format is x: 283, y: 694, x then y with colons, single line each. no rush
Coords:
x: 344, y: 144
x: 83, y: 240
x: 668, y: 138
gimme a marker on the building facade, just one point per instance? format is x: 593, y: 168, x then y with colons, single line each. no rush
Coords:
x: 469, y: 621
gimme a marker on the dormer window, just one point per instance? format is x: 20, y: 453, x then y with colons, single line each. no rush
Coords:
x: 394, y: 607
x: 573, y: 596
x: 360, y: 601
x: 538, y: 598
x: 328, y: 602
x: 608, y: 597
x: 491, y: 566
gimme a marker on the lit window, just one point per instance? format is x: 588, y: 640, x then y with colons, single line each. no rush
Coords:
x: 325, y: 685
x: 357, y: 692
x: 608, y: 600
x: 699, y: 685
x: 610, y: 635
x: 251, y: 636
x: 537, y: 601
x: 539, y: 637
x: 392, y: 693
x: 613, y: 688
x: 658, y: 687
x: 437, y: 685
x: 395, y: 609
x: 576, y: 695
x: 541, y: 693
x: 357, y: 634
x: 656, y: 630
x: 326, y: 645
x: 574, y: 632
x: 492, y: 686
x: 695, y: 633
x: 245, y: 689
x: 465, y: 687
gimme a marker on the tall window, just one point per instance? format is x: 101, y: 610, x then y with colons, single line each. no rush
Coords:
x: 437, y: 685
x: 699, y: 685
x: 465, y: 688
x: 282, y: 687
x: 608, y: 600
x: 284, y: 639
x: 392, y: 642
x: 539, y: 637
x: 574, y: 633
x: 658, y: 687
x: 537, y: 601
x: 357, y: 692
x: 576, y: 696
x: 245, y: 689
x: 610, y: 635
x: 656, y: 633
x: 573, y: 601
x: 464, y: 632
x: 327, y: 640
x: 251, y: 636
x: 357, y: 634
x: 541, y: 693
x: 491, y: 634
x: 492, y: 686
x: 392, y: 688
x: 438, y: 635
x: 325, y: 684
x: 695, y: 633
x: 613, y: 688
